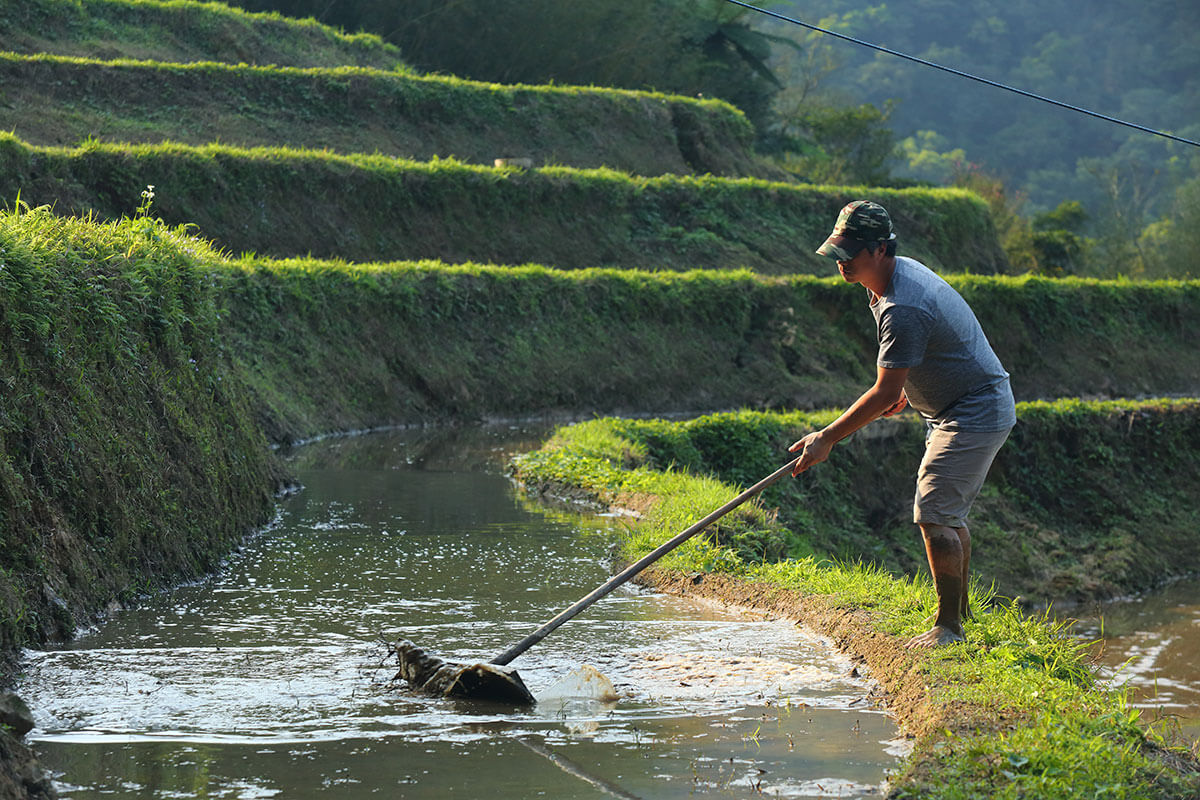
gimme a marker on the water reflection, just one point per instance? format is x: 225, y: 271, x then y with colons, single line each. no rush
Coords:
x: 1151, y: 645
x: 266, y: 680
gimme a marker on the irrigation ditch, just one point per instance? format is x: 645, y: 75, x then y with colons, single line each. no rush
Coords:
x: 148, y: 375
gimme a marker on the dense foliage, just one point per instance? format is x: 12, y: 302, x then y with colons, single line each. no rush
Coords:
x: 679, y: 46
x: 128, y: 455
x: 1134, y: 60
x: 1137, y: 61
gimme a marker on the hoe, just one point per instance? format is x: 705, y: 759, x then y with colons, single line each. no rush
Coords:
x: 496, y: 681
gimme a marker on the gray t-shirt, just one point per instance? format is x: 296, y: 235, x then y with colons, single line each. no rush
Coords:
x: 955, y: 380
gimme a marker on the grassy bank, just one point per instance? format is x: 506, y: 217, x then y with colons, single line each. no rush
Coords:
x: 328, y: 345
x: 1013, y: 712
x: 183, y: 30
x: 1073, y: 508
x: 51, y: 100
x: 282, y: 202
x: 128, y: 456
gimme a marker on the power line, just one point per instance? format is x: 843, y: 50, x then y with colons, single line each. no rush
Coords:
x: 962, y: 74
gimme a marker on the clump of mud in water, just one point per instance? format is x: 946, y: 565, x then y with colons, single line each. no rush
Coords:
x: 428, y: 673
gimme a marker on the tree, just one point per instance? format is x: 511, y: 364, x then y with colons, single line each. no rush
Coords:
x: 829, y: 144
x: 1170, y: 244
x: 1012, y: 228
x: 1058, y: 247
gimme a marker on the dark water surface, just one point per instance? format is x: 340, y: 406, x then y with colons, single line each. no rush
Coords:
x: 1150, y: 645
x: 265, y: 681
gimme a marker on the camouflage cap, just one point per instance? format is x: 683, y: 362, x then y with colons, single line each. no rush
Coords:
x: 860, y: 223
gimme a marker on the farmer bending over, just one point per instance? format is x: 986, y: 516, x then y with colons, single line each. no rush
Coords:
x: 933, y: 355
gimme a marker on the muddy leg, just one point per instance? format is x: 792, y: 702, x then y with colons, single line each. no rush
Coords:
x: 964, y: 539
x: 944, y: 548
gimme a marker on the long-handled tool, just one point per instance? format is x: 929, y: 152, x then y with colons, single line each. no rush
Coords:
x: 498, y: 682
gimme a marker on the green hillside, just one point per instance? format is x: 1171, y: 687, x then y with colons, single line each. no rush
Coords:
x: 182, y: 31
x: 365, y: 208
x: 1136, y: 60
x: 56, y: 100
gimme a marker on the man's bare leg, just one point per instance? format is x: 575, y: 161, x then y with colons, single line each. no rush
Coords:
x: 944, y: 548
x: 964, y: 539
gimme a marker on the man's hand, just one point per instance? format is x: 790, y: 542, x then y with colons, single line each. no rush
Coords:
x: 899, y: 405
x: 814, y: 448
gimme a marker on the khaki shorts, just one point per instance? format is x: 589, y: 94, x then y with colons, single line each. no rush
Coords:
x: 952, y: 473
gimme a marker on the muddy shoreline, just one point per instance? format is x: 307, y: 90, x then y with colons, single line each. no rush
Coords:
x: 904, y: 690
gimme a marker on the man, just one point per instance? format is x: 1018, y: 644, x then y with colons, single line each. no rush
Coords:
x: 934, y: 356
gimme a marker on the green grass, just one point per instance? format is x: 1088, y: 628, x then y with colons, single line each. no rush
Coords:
x: 285, y: 202
x: 183, y: 30
x: 57, y: 100
x: 415, y: 341
x: 128, y: 455
x: 1020, y: 711
x: 1063, y: 516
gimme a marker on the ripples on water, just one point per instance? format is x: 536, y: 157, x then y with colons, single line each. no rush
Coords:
x: 265, y: 680
x: 1150, y: 646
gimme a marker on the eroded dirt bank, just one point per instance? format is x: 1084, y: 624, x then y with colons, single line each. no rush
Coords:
x: 906, y: 688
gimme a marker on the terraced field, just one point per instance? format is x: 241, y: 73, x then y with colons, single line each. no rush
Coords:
x: 295, y: 153
x: 329, y: 245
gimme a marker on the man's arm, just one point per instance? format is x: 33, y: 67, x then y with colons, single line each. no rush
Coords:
x: 874, y: 402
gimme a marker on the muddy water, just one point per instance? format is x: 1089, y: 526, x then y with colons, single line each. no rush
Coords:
x: 1151, y: 646
x: 265, y: 680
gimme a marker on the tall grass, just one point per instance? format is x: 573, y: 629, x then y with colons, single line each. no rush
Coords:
x: 128, y: 455
x: 279, y: 201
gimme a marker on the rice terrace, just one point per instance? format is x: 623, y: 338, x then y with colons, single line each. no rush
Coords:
x: 475, y: 399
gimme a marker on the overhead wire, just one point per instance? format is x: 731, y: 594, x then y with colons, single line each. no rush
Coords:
x: 962, y: 74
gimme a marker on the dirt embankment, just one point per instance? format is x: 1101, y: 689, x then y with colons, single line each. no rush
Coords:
x: 904, y: 687
x: 21, y: 776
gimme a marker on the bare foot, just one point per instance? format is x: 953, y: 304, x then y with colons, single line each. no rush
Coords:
x: 936, y: 637
x: 965, y: 616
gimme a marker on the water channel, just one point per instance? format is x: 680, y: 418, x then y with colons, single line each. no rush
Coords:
x: 1149, y: 645
x: 265, y: 680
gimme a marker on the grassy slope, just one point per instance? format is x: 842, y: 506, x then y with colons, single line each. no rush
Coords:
x: 128, y: 455
x: 182, y: 31
x: 365, y: 208
x: 51, y: 100
x: 1012, y: 713
x: 419, y: 341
